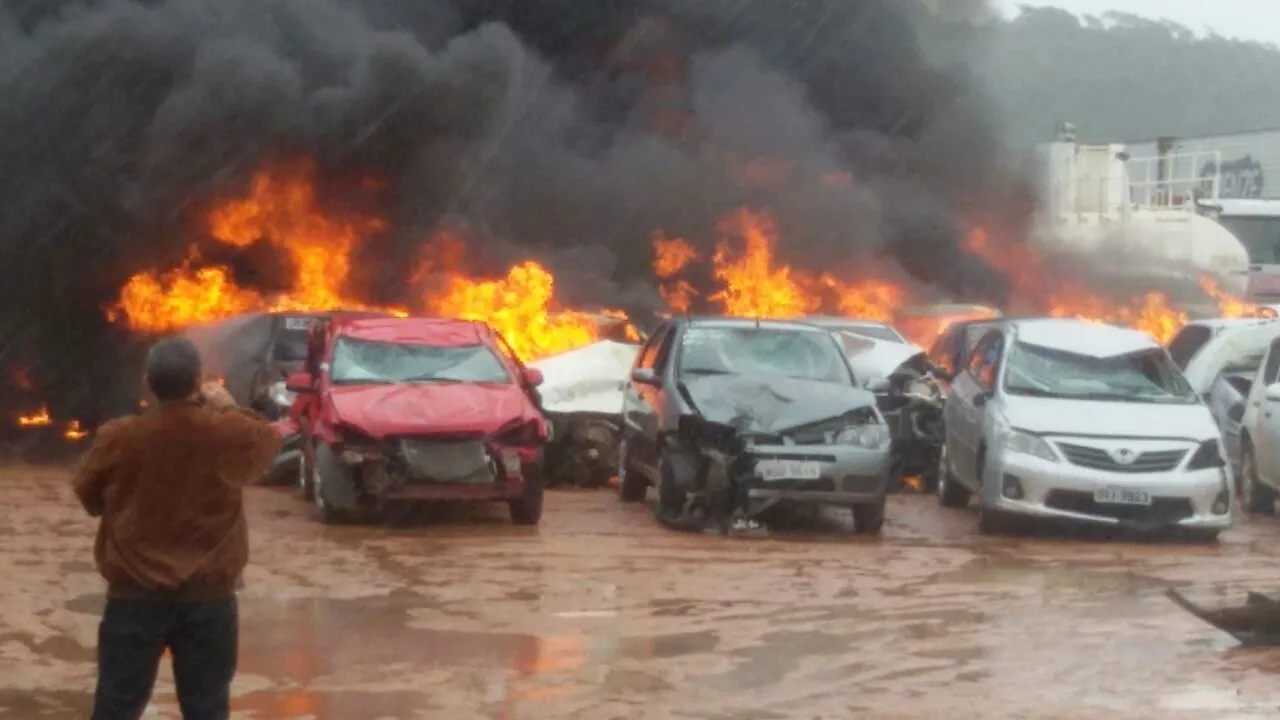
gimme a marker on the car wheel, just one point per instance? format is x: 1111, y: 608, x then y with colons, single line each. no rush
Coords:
x: 632, y: 486
x: 527, y: 509
x: 950, y: 493
x: 993, y: 522
x: 868, y: 518
x: 669, y: 504
x: 306, y: 476
x: 1203, y: 535
x: 330, y: 479
x: 1258, y: 499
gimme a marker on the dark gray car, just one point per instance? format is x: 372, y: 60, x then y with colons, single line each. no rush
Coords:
x: 731, y: 416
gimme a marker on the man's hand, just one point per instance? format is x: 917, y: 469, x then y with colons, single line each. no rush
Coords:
x: 216, y: 396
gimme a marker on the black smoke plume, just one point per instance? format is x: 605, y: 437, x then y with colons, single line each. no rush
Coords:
x: 569, y: 130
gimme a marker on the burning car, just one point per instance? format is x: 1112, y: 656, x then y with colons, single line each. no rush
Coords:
x: 395, y: 409
x: 908, y: 397
x: 923, y: 324
x: 729, y: 417
x: 582, y: 394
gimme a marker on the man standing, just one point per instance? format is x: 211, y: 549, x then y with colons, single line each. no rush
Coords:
x: 172, y: 539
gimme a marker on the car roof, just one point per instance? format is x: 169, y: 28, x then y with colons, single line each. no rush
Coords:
x: 711, y: 321
x: 439, y: 332
x: 830, y: 320
x: 327, y: 313
x: 1082, y: 337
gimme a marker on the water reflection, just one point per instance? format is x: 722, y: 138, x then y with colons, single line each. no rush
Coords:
x: 363, y: 658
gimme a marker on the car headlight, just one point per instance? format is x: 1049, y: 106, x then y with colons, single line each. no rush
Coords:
x: 871, y: 435
x: 280, y: 394
x: 1028, y: 444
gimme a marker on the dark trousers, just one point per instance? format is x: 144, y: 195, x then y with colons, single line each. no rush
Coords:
x: 201, y: 636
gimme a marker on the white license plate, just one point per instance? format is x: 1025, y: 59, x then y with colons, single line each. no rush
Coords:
x: 789, y: 469
x: 1113, y: 496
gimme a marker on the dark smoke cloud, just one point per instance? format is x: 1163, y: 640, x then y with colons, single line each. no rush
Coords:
x: 563, y: 129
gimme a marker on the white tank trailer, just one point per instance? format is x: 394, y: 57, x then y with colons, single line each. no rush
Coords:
x: 1140, y: 213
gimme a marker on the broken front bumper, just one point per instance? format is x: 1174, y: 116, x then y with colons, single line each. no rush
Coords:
x: 835, y: 474
x: 424, y: 469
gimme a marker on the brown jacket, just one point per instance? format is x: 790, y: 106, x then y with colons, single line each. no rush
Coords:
x: 167, y: 485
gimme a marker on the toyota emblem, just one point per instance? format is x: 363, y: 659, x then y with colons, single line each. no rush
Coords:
x: 1124, y: 456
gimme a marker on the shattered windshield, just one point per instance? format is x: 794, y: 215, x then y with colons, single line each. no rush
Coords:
x: 797, y: 353
x: 1143, y: 376
x: 367, y: 361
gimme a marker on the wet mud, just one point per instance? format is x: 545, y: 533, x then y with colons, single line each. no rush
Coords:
x: 601, y: 613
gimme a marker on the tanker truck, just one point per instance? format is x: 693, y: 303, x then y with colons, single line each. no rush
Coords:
x: 1138, y: 215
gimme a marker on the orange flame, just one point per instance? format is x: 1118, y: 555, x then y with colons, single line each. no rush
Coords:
x: 39, y: 419
x: 1038, y: 287
x: 74, y: 432
x: 670, y: 257
x: 281, y: 209
x: 1230, y: 306
x: 754, y: 284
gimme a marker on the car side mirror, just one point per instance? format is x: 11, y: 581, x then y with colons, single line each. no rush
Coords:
x: 644, y: 376
x: 300, y: 382
x: 980, y: 400
x: 532, y: 377
x: 879, y: 386
x: 1273, y: 392
x: 1236, y: 412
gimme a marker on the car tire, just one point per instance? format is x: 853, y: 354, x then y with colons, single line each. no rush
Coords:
x: 993, y: 522
x: 527, y: 509
x: 1203, y: 535
x: 306, y: 476
x: 668, y: 505
x: 632, y: 486
x: 328, y: 473
x: 1258, y: 499
x: 950, y: 493
x: 868, y: 518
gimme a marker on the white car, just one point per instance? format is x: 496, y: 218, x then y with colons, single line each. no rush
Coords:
x: 1260, y: 436
x: 1069, y: 420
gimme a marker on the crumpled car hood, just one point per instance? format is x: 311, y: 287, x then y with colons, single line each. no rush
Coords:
x: 1050, y: 416
x: 769, y: 403
x: 879, y: 361
x: 589, y: 379
x: 427, y: 408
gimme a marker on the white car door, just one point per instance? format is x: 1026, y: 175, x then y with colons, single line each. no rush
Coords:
x: 1262, y: 417
x: 972, y: 388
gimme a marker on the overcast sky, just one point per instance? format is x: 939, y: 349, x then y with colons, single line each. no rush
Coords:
x: 1248, y: 19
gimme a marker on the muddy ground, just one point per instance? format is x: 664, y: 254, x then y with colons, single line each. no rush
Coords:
x: 602, y: 614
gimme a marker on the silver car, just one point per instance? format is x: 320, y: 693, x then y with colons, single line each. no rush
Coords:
x: 1065, y: 419
x: 723, y: 411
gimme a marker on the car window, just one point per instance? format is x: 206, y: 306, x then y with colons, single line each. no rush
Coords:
x: 794, y: 352
x: 1272, y: 370
x: 984, y: 361
x: 943, y: 353
x: 1187, y: 342
x: 664, y: 351
x: 650, y: 350
x: 1147, y: 375
x: 875, y: 332
x: 371, y: 361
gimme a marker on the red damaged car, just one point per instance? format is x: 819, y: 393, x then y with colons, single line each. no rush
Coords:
x: 405, y: 409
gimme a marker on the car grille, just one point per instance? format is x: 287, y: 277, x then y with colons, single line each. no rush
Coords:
x: 1161, y: 511
x: 1148, y: 462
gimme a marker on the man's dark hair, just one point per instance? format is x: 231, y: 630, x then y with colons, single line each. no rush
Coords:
x: 173, y: 369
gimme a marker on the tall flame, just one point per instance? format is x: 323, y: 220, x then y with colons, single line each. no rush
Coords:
x: 280, y: 208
